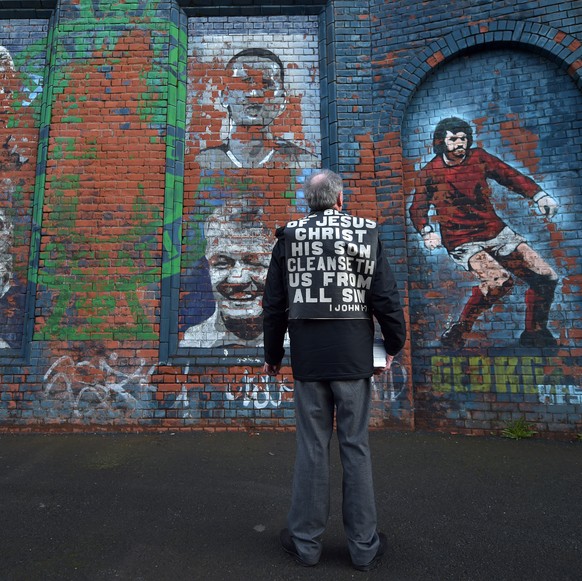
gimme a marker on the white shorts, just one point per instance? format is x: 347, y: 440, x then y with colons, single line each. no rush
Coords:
x: 503, y: 244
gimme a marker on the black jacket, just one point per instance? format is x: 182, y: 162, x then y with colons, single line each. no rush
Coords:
x: 327, y: 349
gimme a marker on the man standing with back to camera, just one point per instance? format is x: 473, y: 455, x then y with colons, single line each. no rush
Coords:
x: 326, y: 280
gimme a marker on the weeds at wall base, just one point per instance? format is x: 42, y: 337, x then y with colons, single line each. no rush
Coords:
x: 518, y: 430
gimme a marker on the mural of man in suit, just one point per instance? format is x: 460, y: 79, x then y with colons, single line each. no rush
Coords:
x: 254, y: 95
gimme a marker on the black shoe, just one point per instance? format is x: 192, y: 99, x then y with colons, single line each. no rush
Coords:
x: 541, y: 338
x: 289, y: 547
x: 454, y: 336
x: 379, y: 553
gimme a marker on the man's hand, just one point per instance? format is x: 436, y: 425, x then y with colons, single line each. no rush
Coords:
x: 432, y: 240
x: 547, y: 206
x: 271, y: 369
x: 380, y: 370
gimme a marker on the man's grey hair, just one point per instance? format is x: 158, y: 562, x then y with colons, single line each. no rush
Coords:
x: 322, y: 190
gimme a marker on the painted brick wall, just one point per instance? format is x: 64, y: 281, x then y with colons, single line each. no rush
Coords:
x: 140, y: 197
x: 499, y: 67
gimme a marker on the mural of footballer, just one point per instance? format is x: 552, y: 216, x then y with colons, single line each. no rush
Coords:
x: 454, y: 186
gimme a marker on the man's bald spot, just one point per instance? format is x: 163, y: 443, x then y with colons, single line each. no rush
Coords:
x: 317, y: 179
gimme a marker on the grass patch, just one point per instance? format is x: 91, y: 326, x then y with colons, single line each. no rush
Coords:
x: 518, y: 429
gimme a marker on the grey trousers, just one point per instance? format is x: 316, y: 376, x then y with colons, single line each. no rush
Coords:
x: 315, y: 405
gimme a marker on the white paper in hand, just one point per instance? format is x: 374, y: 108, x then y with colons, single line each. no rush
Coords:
x: 379, y: 355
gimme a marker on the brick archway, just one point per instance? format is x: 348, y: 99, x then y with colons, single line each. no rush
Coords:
x: 563, y: 49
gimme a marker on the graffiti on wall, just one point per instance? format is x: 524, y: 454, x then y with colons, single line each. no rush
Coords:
x: 259, y: 391
x: 252, y: 137
x: 391, y: 393
x: 248, y: 396
x: 254, y: 396
x: 103, y: 269
x: 553, y: 381
x: 100, y: 389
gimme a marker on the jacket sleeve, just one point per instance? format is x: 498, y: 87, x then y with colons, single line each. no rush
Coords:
x: 275, y: 306
x: 386, y: 305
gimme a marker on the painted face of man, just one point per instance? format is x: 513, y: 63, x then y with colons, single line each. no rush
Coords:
x: 254, y: 94
x: 456, y: 146
x: 6, y: 75
x: 5, y: 273
x: 6, y: 228
x: 238, y: 260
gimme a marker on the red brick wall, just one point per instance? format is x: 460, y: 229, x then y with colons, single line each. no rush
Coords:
x: 115, y: 108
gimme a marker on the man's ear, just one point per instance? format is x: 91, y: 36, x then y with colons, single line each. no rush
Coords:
x: 223, y: 98
x: 282, y: 94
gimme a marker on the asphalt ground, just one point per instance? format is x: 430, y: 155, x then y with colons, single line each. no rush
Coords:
x: 209, y: 506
